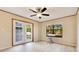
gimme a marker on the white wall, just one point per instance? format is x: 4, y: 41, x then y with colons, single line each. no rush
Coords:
x: 6, y: 29
x: 69, y: 30
x: 78, y: 31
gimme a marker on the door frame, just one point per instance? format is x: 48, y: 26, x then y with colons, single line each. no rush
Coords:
x: 25, y: 22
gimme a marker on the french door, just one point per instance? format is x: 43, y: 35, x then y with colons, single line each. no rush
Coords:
x: 22, y: 32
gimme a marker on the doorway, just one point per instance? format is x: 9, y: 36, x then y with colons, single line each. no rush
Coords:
x: 22, y: 32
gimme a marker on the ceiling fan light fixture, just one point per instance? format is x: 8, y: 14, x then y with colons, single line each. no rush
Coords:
x: 39, y: 14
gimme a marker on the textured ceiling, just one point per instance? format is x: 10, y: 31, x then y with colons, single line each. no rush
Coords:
x: 55, y: 12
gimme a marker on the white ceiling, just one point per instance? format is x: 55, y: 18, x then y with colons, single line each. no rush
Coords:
x: 55, y: 12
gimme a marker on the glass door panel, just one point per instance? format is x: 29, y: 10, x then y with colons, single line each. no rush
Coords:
x: 28, y: 32
x: 17, y: 32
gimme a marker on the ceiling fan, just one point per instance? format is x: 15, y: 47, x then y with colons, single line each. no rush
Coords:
x: 39, y: 12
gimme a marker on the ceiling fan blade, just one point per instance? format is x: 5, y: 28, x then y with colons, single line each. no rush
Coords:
x: 45, y: 14
x: 32, y: 15
x: 32, y: 10
x: 44, y: 9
